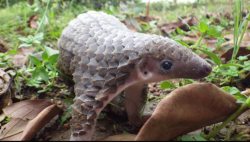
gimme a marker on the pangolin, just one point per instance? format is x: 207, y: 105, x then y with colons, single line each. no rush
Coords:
x: 105, y: 58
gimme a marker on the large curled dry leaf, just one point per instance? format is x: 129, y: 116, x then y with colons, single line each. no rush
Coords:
x: 27, y: 118
x: 186, y: 109
x: 27, y: 109
x: 13, y: 130
x: 120, y: 137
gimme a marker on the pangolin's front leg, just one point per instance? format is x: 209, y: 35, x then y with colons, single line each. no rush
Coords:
x: 135, y: 99
x: 84, y: 114
x: 90, y: 100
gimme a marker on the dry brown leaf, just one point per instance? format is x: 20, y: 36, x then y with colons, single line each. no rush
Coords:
x: 246, y: 92
x: 21, y: 57
x: 146, y: 18
x: 13, y: 130
x: 3, y: 47
x: 244, y: 43
x: 120, y: 137
x: 27, y: 109
x: 242, y: 52
x: 32, y: 22
x: 181, y: 23
x: 186, y: 109
x: 27, y: 118
x: 5, y: 100
x: 39, y: 122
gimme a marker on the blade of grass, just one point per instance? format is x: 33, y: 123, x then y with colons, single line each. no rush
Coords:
x: 237, y: 18
x: 41, y: 24
x: 243, y: 28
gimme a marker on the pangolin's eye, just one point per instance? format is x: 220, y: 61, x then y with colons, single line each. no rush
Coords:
x: 166, y: 65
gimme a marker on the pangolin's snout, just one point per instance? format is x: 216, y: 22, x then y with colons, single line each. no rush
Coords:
x: 199, y: 68
x: 205, y: 70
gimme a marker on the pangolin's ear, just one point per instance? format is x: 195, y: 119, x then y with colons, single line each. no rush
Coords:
x: 143, y: 66
x: 147, y: 68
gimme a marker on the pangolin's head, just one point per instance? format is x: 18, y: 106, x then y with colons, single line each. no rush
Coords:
x: 167, y: 59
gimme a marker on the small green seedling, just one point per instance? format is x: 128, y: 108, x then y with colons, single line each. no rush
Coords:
x: 43, y: 69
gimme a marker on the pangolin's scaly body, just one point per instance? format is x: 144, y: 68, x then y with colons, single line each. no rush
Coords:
x: 105, y: 58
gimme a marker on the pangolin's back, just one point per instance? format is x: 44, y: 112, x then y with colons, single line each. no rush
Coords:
x: 96, y: 41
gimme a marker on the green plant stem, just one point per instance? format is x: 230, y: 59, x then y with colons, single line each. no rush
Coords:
x: 243, y: 28
x: 242, y: 71
x: 199, y: 42
x: 239, y: 111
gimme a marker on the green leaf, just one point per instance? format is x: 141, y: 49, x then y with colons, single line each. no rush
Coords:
x: 40, y: 73
x: 230, y: 71
x: 203, y: 27
x: 213, y: 31
x: 39, y: 37
x: 50, y: 51
x: 34, y: 60
x: 180, y: 31
x: 182, y: 43
x: 240, y: 98
x: 231, y: 90
x: 192, y: 137
x: 66, y: 115
x: 242, y: 58
x: 24, y: 39
x: 246, y: 65
x: 145, y: 26
x: 219, y: 42
x: 53, y: 59
x: 186, y: 81
x: 213, y: 56
x: 24, y: 45
x: 236, y: 93
x: 153, y: 24
x: 228, y: 65
x: 33, y: 82
x: 45, y: 56
x: 167, y: 85
x: 248, y: 102
x: 111, y: 10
